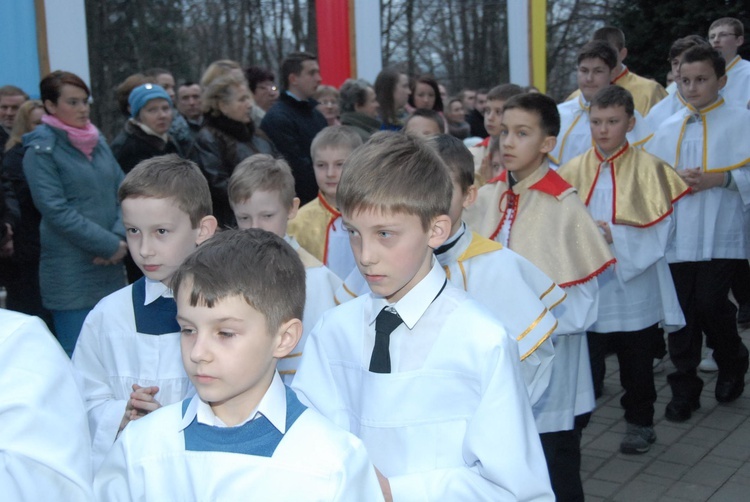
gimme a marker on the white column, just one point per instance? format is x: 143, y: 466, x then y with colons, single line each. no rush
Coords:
x: 518, y: 42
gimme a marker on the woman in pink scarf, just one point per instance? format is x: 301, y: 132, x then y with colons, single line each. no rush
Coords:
x: 73, y: 178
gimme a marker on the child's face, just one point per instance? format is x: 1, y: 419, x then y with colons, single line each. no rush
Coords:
x: 160, y: 235
x: 493, y: 113
x: 265, y: 210
x: 456, y: 112
x: 523, y: 142
x: 228, y: 353
x: 593, y: 75
x: 424, y: 96
x: 459, y: 202
x: 723, y: 39
x: 699, y: 84
x: 392, y: 250
x: 422, y: 126
x: 609, y: 127
x: 327, y: 164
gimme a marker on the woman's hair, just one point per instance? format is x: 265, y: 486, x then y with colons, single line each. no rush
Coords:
x: 385, y: 85
x: 353, y: 93
x: 51, y: 86
x: 220, y: 89
x: 428, y: 80
x: 23, y: 124
x: 326, y: 90
x: 217, y: 69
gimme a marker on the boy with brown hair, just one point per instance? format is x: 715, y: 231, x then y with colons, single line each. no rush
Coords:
x: 261, y: 193
x: 614, y: 179
x: 423, y: 374
x: 534, y: 212
x: 727, y: 35
x: 244, y: 435
x: 318, y: 226
x: 128, y: 349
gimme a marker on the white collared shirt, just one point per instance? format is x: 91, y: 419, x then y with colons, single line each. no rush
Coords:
x: 155, y: 290
x: 409, y: 344
x: 272, y: 406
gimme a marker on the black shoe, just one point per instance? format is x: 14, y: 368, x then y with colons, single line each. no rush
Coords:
x: 743, y: 314
x: 728, y: 390
x: 680, y: 410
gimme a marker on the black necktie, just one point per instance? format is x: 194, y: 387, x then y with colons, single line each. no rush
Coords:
x: 385, y: 323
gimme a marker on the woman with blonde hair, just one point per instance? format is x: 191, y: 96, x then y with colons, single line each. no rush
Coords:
x: 227, y: 137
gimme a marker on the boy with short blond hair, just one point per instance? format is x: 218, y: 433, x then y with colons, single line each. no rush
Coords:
x: 597, y: 61
x: 128, y: 349
x: 318, y: 226
x: 534, y: 212
x: 244, y: 435
x: 613, y: 179
x: 705, y: 143
x: 261, y: 193
x: 417, y: 363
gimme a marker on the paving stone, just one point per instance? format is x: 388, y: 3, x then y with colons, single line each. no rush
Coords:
x: 608, y: 441
x: 724, y: 419
x: 682, y: 453
x: 640, y: 491
x: 730, y: 492
x: 709, y: 474
x: 690, y: 491
x: 599, y: 488
x: 667, y: 470
x: 618, y: 469
x: 655, y: 480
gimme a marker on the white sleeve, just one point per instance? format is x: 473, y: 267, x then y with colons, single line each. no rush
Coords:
x: 112, y: 480
x: 44, y: 448
x: 637, y: 249
x: 359, y: 481
x: 501, y: 449
x: 104, y: 411
x: 579, y: 310
x: 741, y: 177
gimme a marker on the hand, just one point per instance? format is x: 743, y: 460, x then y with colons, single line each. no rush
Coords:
x: 385, y: 486
x: 606, y: 231
x: 140, y: 404
x: 122, y: 250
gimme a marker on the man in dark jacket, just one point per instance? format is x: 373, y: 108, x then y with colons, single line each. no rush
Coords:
x: 293, y: 121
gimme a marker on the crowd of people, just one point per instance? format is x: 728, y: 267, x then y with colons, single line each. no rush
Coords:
x: 274, y: 288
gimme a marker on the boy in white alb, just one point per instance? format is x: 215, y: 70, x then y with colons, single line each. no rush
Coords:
x: 533, y: 211
x: 244, y: 435
x: 44, y: 439
x: 318, y: 226
x: 128, y: 350
x: 424, y: 375
x: 597, y: 61
x: 517, y: 292
x: 706, y: 144
x: 614, y: 179
x: 727, y: 35
x: 261, y: 193
x: 675, y: 101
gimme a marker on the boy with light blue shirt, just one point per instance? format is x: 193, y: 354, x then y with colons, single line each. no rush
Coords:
x: 128, y: 350
x: 244, y: 435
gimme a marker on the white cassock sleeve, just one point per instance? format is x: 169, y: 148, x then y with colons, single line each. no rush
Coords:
x: 638, y: 248
x: 104, y: 411
x: 112, y: 481
x: 45, y: 452
x: 579, y: 310
x: 741, y: 177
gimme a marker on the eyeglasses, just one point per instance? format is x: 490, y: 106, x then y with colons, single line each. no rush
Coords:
x: 714, y: 36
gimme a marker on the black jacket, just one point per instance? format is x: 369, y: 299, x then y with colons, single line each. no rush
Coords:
x: 133, y: 145
x: 292, y: 125
x: 220, y: 145
x: 476, y: 121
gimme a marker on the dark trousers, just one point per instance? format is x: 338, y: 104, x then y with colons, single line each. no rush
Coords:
x: 562, y: 450
x: 24, y: 294
x: 702, y: 289
x: 635, y: 354
x: 741, y: 283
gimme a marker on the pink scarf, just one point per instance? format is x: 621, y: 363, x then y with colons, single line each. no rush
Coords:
x: 84, y: 139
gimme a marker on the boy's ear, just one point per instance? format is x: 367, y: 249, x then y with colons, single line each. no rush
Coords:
x: 722, y: 81
x: 548, y: 144
x: 293, y: 210
x: 206, y: 228
x: 440, y: 230
x: 631, y: 123
x: 289, y: 334
x: 470, y: 196
x: 623, y: 54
